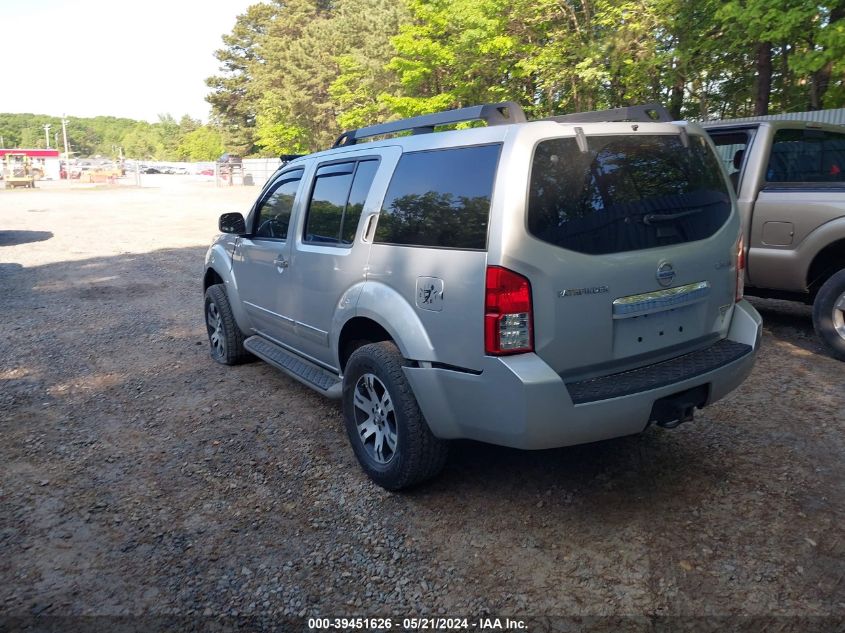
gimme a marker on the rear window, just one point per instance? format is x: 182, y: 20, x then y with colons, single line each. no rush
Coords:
x: 625, y: 193
x: 440, y: 198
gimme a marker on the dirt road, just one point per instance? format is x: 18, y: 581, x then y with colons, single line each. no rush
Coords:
x: 139, y: 477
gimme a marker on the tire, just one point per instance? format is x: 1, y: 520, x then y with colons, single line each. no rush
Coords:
x: 829, y: 314
x: 377, y: 396
x: 225, y: 339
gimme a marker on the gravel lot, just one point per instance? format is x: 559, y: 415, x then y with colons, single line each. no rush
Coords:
x: 139, y: 477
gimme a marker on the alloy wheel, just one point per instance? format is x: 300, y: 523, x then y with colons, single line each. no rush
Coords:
x: 375, y: 418
x: 214, y: 323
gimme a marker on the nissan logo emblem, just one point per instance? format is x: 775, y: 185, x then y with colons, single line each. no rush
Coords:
x: 665, y: 273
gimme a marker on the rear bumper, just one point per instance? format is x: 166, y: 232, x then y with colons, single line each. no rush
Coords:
x: 519, y: 401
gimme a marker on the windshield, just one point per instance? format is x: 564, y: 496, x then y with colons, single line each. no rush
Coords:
x: 625, y: 193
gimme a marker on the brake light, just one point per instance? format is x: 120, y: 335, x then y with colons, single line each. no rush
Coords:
x: 508, y: 318
x: 740, y: 268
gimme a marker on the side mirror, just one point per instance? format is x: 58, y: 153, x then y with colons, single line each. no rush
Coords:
x: 232, y: 223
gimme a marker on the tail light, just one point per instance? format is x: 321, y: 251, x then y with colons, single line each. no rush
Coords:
x: 740, y: 267
x: 508, y: 317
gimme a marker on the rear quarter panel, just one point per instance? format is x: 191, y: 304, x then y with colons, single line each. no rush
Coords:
x: 817, y: 219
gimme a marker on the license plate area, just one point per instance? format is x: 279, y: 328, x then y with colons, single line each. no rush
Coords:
x: 649, y: 332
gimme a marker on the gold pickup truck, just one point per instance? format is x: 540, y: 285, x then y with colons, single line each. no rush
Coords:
x: 789, y: 178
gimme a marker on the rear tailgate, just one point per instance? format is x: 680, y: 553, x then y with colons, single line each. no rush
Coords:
x: 630, y: 248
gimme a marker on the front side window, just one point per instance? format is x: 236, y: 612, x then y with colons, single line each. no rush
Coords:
x: 625, y: 193
x: 337, y: 201
x: 273, y: 215
x: 807, y: 156
x: 440, y: 198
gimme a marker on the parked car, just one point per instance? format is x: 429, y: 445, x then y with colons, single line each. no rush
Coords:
x: 790, y: 183
x: 530, y: 284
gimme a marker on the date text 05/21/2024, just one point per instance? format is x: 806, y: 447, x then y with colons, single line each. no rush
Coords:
x: 418, y: 624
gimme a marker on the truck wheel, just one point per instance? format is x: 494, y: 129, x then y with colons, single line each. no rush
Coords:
x: 224, y: 336
x: 386, y: 428
x: 829, y: 314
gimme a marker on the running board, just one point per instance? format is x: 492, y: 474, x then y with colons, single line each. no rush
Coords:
x: 295, y: 366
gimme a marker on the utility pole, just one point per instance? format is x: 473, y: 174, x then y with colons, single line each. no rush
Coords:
x: 67, y: 151
x: 47, y: 134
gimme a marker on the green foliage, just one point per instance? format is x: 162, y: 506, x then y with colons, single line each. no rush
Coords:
x: 297, y: 72
x: 231, y: 100
x: 204, y: 143
x: 141, y: 143
x: 111, y: 136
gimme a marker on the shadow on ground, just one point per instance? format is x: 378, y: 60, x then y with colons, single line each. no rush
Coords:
x: 13, y: 238
x: 789, y: 321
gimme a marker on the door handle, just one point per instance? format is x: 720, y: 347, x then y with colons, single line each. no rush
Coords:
x: 368, y: 231
x: 281, y: 263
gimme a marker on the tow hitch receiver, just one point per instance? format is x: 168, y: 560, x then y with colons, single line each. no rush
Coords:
x: 671, y: 411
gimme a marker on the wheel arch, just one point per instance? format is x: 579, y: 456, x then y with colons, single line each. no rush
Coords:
x: 383, y: 313
x: 218, y: 270
x: 358, y: 329
x: 825, y: 263
x: 210, y: 278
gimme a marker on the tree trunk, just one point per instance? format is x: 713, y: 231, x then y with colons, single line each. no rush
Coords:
x: 818, y: 85
x: 820, y: 80
x: 676, y: 101
x: 764, y: 79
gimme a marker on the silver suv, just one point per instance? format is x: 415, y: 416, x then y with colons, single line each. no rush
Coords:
x: 530, y: 284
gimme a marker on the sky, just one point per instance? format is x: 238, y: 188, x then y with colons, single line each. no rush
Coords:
x: 112, y: 57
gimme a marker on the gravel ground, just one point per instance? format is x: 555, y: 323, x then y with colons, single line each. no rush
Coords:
x: 139, y: 477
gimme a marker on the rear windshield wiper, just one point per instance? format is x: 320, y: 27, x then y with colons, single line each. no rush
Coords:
x: 652, y: 218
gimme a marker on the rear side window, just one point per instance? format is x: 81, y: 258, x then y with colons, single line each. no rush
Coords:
x: 440, y: 198
x: 273, y: 216
x: 625, y: 193
x: 364, y: 176
x: 807, y: 156
x: 337, y: 200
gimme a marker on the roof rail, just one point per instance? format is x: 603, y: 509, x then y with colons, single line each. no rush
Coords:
x: 492, y: 113
x: 286, y: 158
x: 648, y: 112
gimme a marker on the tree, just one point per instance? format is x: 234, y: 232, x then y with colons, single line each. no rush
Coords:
x: 204, y: 143
x: 297, y: 72
x: 360, y: 93
x: 756, y: 26
x: 823, y: 56
x: 142, y: 143
x: 314, y: 53
x: 232, y: 102
x: 457, y: 53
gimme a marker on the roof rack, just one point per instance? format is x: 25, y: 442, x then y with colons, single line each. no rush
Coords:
x: 492, y: 113
x: 286, y: 158
x: 646, y: 113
